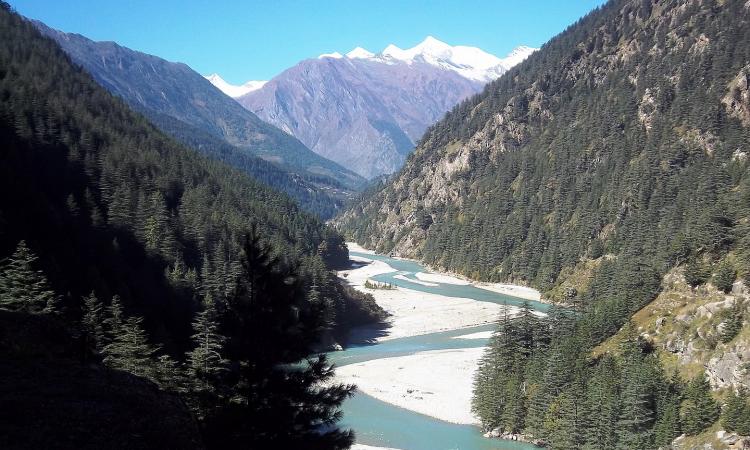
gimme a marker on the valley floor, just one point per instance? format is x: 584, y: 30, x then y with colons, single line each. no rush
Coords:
x: 436, y: 383
x: 415, y: 313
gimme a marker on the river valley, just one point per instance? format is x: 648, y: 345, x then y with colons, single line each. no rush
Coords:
x: 421, y: 368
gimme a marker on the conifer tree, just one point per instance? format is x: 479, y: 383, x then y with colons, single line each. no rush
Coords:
x: 22, y: 287
x: 699, y: 409
x: 205, y: 363
x: 736, y: 414
x: 281, y: 397
x: 113, y: 320
x: 636, y: 410
x: 169, y: 374
x: 93, y: 323
x: 667, y: 425
x: 696, y: 272
x: 600, y: 406
x: 725, y: 276
x: 733, y: 323
x: 130, y: 349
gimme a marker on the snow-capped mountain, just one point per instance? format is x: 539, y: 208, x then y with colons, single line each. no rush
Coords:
x: 233, y: 90
x: 366, y: 110
x: 470, y: 62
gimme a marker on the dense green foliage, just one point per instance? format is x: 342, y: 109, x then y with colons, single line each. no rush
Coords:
x: 623, y: 140
x: 736, y: 414
x: 242, y: 378
x: 725, y: 276
x: 697, y: 272
x: 107, y: 207
x: 618, y: 401
x: 131, y: 202
x: 271, y: 323
x: 734, y: 318
x: 318, y: 194
x: 699, y: 409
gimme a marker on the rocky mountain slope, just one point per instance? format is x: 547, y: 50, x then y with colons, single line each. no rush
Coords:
x: 568, y: 148
x: 366, y: 111
x: 691, y: 331
x: 182, y: 102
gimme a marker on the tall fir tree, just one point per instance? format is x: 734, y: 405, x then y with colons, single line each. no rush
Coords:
x: 205, y: 363
x: 92, y: 323
x: 281, y: 397
x: 725, y: 275
x: 22, y: 286
x: 735, y: 416
x: 130, y: 349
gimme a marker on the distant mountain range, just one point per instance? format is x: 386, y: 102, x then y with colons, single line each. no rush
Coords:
x: 364, y: 110
x: 181, y: 102
x: 233, y: 90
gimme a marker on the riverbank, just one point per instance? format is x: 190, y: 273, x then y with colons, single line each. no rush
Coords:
x: 415, y: 313
x: 369, y: 447
x: 436, y: 383
x: 514, y: 290
x: 433, y: 382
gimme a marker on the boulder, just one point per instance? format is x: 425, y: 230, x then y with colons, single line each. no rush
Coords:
x: 494, y: 433
x: 674, y: 344
x: 739, y: 288
x: 709, y: 309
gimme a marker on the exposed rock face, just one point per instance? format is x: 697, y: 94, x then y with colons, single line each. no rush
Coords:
x: 730, y: 367
x: 737, y: 99
x: 363, y: 114
x: 688, y: 323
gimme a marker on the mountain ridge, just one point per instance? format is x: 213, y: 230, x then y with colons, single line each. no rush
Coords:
x: 367, y: 112
x: 393, y: 53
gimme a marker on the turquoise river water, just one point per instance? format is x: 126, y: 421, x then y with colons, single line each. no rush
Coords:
x: 381, y: 424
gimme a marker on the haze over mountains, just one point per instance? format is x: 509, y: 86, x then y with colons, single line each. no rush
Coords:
x: 366, y: 111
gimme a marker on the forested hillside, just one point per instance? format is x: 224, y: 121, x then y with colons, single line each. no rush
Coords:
x: 161, y: 262
x: 320, y: 195
x: 615, y: 153
x: 184, y: 104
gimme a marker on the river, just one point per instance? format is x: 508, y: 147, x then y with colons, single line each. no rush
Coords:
x: 380, y: 424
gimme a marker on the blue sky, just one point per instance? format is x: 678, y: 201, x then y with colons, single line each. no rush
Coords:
x: 244, y: 40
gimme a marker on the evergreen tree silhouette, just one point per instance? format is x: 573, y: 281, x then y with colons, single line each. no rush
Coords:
x: 280, y: 398
x: 22, y: 287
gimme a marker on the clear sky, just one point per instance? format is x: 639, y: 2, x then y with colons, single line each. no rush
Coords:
x: 255, y: 40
